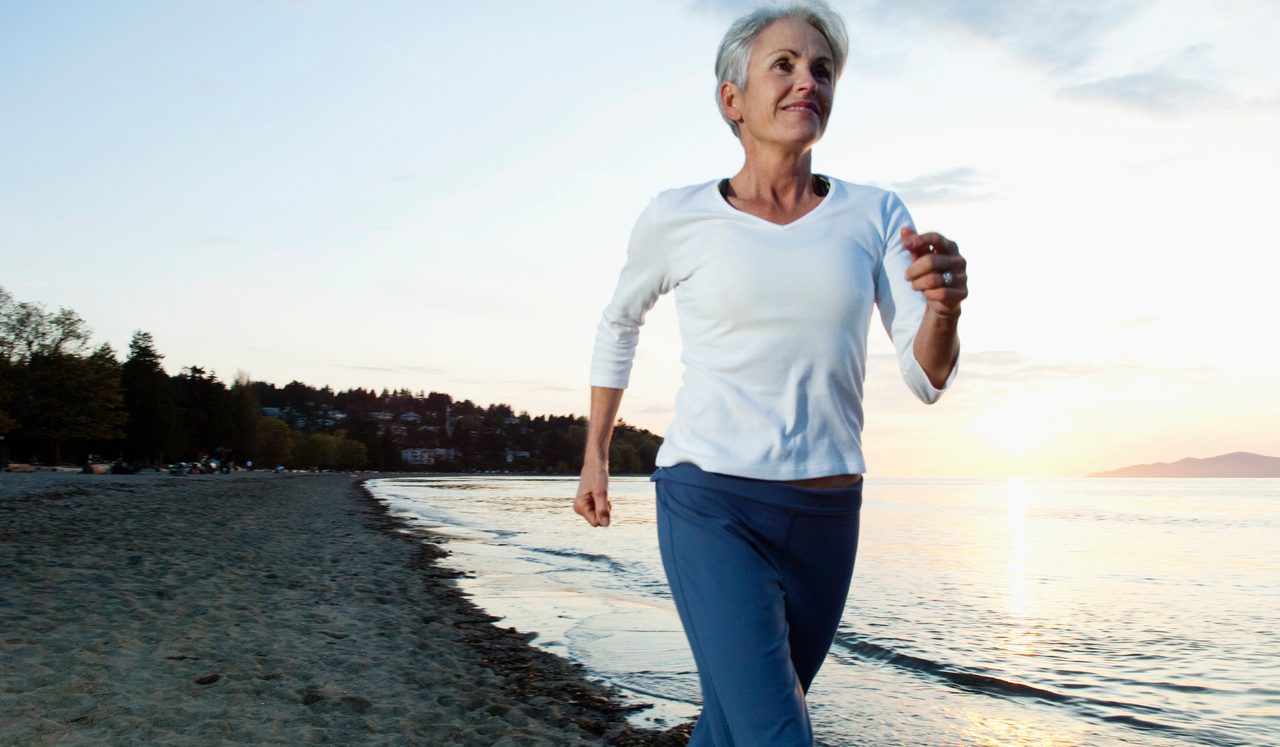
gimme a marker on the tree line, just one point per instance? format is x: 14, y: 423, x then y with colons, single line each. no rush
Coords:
x: 63, y: 400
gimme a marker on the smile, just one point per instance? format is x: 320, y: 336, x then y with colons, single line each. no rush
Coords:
x: 801, y: 107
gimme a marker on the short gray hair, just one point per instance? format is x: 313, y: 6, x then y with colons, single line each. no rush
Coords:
x: 735, y: 47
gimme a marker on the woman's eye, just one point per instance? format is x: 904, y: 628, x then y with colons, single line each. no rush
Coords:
x: 822, y: 73
x: 782, y: 65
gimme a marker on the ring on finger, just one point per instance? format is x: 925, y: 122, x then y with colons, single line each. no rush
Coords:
x: 948, y: 279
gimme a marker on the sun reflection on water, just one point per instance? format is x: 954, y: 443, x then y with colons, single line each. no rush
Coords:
x: 995, y: 731
x: 1020, y: 634
x: 1019, y: 552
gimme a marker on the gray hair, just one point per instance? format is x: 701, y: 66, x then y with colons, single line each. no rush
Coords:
x: 735, y: 47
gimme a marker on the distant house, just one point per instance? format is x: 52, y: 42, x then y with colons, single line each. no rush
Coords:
x: 382, y: 416
x: 423, y: 457
x: 271, y: 412
x: 411, y: 417
x: 513, y: 455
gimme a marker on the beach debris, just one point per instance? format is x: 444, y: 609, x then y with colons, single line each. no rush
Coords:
x: 333, y: 634
x: 209, y: 679
x: 183, y: 657
x: 625, y: 708
x: 311, y: 695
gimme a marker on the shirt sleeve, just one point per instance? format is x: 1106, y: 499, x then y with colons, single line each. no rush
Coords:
x: 644, y: 277
x: 901, y: 306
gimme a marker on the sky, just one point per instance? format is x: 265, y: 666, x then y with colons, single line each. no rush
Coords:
x: 438, y: 196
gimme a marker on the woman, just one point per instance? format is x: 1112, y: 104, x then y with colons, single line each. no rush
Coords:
x: 775, y: 271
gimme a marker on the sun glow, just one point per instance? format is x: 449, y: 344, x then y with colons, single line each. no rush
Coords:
x: 1014, y: 429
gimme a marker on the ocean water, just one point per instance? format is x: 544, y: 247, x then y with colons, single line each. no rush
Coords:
x: 982, y: 612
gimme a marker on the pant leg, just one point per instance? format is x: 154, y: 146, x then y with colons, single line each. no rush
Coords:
x: 729, y: 594
x: 816, y: 574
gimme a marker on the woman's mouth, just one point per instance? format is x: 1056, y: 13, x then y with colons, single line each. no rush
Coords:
x: 802, y: 106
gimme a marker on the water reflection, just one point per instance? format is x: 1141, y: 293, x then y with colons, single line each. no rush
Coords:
x: 1021, y: 634
x: 1019, y: 556
x: 988, y: 730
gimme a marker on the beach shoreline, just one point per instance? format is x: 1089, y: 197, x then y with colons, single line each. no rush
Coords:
x: 258, y: 608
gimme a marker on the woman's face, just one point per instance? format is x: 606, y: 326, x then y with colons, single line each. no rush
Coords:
x: 790, y: 86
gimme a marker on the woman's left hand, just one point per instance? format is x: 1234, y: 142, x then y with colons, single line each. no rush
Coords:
x: 938, y: 270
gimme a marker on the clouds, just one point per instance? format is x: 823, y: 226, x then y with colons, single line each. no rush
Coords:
x: 722, y: 7
x: 1130, y: 53
x: 1008, y: 366
x: 958, y: 184
x: 1152, y: 90
x: 1058, y: 36
x: 1182, y: 83
x: 1004, y: 367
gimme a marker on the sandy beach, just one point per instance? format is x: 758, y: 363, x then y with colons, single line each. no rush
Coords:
x: 253, y: 609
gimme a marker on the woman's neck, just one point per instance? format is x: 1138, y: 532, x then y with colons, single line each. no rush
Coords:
x: 771, y: 177
x: 776, y: 186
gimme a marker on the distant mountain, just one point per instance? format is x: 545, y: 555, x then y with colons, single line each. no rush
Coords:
x: 1238, y: 464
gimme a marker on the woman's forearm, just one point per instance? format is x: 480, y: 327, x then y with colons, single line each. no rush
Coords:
x: 937, y: 345
x: 604, y: 411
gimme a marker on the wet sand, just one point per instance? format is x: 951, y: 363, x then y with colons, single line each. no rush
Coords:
x: 255, y: 609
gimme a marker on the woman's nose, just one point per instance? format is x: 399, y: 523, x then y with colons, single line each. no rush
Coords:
x: 806, y: 80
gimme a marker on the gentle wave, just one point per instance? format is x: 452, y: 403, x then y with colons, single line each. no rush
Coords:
x: 603, y: 560
x: 867, y: 650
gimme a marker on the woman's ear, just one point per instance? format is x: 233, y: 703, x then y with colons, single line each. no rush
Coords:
x: 729, y: 94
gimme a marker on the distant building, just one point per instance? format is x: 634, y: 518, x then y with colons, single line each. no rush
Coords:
x: 382, y: 416
x: 427, y: 456
x: 513, y: 455
x: 411, y: 417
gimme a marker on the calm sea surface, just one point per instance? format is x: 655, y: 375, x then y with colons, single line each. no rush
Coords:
x: 1026, y: 612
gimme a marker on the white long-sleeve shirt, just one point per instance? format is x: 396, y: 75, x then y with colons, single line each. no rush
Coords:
x: 773, y: 321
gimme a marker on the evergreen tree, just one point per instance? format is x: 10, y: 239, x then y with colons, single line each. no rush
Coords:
x: 244, y: 419
x: 207, y: 426
x: 7, y: 381
x: 152, y: 416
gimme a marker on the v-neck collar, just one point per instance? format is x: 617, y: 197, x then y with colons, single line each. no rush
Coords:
x: 720, y: 187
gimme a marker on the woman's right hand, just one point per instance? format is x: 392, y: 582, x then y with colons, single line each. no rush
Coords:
x: 592, y: 501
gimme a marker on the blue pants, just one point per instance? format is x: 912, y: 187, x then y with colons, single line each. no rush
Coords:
x: 759, y: 571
